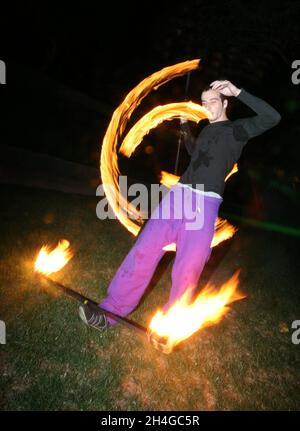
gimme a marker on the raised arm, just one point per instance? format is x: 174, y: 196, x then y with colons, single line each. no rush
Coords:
x: 246, y: 128
x: 266, y: 118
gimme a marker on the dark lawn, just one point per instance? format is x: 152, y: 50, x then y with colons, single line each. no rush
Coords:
x: 54, y: 362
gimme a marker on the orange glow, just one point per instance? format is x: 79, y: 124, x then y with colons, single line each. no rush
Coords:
x: 113, y: 137
x: 52, y: 261
x: 170, y: 247
x: 168, y: 179
x: 188, y: 110
x: 184, y: 318
x: 233, y: 171
x: 223, y: 230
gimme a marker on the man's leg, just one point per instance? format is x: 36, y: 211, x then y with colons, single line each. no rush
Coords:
x: 133, y: 276
x: 193, y: 251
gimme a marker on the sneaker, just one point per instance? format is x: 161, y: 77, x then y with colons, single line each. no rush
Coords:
x: 92, y: 318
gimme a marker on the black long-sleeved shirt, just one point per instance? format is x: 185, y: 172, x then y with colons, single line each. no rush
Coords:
x: 219, y: 145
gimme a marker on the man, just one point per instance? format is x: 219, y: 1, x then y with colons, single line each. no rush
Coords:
x: 213, y: 154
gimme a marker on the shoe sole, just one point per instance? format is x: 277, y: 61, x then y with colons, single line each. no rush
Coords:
x: 83, y: 318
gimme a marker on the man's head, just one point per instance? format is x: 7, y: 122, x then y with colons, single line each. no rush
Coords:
x: 215, y: 102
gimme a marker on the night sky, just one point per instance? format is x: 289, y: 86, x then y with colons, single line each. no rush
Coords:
x: 101, y: 49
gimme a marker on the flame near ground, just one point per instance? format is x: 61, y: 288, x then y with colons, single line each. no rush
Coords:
x: 185, y: 318
x: 49, y: 261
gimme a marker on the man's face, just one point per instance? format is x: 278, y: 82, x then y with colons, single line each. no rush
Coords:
x: 211, y: 100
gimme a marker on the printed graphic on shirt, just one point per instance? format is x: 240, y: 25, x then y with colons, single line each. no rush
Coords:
x: 203, y: 158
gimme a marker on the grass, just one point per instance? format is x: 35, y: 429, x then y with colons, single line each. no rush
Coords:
x: 51, y: 361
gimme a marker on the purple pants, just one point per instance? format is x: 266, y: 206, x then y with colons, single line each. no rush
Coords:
x: 191, y: 230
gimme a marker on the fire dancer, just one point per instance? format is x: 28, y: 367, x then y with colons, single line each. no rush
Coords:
x: 213, y: 154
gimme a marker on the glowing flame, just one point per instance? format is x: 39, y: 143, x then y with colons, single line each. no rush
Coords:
x: 109, y: 160
x: 188, y: 110
x: 223, y: 230
x: 168, y: 179
x: 170, y: 247
x: 52, y: 261
x: 233, y: 171
x: 185, y: 318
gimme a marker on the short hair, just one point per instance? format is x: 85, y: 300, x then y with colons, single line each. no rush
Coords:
x: 208, y: 87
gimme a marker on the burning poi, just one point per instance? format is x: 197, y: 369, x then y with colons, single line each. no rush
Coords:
x: 209, y: 307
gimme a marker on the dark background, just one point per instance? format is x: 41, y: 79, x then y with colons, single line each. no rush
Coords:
x: 70, y: 65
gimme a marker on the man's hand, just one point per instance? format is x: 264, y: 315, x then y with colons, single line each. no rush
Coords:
x: 225, y: 87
